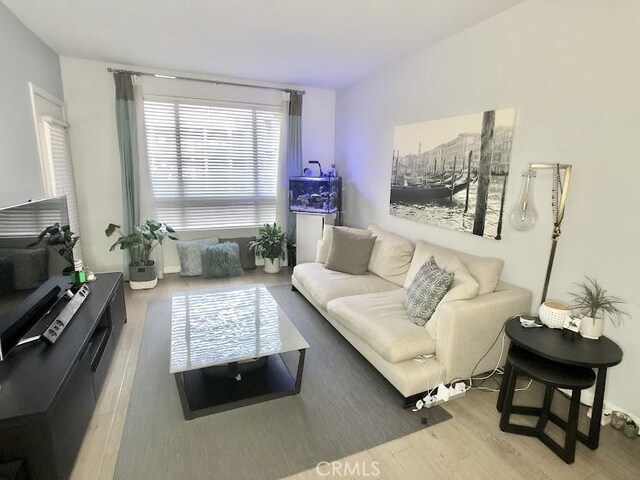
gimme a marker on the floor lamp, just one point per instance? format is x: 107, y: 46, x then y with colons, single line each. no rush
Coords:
x: 523, y: 216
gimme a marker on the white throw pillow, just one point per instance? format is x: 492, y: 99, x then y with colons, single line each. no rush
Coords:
x: 485, y: 270
x: 391, y: 255
x: 323, y: 250
x: 465, y: 286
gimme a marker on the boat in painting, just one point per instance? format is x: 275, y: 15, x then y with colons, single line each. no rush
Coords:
x: 429, y: 189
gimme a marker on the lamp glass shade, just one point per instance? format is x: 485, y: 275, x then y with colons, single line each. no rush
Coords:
x: 523, y: 215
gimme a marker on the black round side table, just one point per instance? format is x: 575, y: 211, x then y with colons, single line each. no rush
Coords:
x: 570, y: 349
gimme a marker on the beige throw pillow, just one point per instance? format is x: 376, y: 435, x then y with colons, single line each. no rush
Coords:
x: 485, y: 270
x: 465, y: 286
x: 327, y: 234
x: 349, y: 252
x: 391, y: 255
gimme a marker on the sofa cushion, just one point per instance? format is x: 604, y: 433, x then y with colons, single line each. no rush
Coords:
x: 349, y: 252
x: 327, y: 236
x: 391, y: 255
x: 485, y: 270
x: 381, y: 321
x: 324, y: 285
x: 429, y: 286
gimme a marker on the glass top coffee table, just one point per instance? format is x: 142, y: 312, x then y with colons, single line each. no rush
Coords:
x: 228, y: 349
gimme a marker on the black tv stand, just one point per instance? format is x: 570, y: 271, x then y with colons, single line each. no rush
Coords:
x: 48, y: 393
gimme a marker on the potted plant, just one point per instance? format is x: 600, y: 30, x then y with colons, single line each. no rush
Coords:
x: 270, y: 245
x: 593, y: 301
x: 140, y: 243
x: 62, y: 240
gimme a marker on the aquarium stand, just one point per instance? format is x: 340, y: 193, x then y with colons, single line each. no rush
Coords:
x: 309, y: 228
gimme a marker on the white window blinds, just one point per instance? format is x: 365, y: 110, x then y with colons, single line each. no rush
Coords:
x: 212, y: 165
x: 60, y: 170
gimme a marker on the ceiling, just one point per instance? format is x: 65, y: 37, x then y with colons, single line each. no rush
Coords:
x: 323, y: 43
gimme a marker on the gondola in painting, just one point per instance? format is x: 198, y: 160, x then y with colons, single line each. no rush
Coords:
x: 453, y: 172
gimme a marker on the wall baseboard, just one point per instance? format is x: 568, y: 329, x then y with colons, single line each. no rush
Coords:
x: 172, y: 269
x: 587, y: 399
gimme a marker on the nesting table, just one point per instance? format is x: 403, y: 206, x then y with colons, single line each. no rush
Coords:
x: 570, y: 349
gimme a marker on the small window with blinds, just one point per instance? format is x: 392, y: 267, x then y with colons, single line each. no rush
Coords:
x: 60, y: 171
x: 212, y: 165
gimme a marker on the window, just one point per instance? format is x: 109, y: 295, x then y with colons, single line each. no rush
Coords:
x: 60, y: 170
x: 212, y: 165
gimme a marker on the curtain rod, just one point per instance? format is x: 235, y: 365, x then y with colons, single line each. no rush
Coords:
x: 216, y: 82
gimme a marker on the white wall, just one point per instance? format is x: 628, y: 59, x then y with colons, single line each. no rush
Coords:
x: 25, y: 58
x: 572, y: 70
x: 90, y: 100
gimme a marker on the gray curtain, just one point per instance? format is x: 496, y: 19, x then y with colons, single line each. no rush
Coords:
x: 128, y: 143
x: 293, y: 154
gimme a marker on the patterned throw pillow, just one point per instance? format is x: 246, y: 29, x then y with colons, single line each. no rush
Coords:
x: 429, y: 286
x: 222, y: 260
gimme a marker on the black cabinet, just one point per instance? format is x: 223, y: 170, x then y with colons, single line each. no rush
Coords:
x: 49, y: 393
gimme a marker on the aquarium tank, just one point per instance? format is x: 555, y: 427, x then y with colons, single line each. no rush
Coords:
x: 315, y: 194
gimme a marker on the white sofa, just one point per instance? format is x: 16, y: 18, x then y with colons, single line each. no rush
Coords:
x: 368, y: 310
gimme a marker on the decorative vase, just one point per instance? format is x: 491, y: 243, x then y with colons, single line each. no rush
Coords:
x: 592, y: 328
x: 271, y: 265
x: 553, y: 314
x: 630, y: 429
x: 618, y: 419
x: 143, y: 277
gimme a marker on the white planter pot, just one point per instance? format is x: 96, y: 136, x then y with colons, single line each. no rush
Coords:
x: 592, y: 328
x: 271, y: 266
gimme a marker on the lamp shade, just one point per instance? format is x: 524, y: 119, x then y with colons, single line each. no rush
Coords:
x: 523, y: 215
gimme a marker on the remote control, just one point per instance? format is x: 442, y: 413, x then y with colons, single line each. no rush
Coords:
x: 55, y: 329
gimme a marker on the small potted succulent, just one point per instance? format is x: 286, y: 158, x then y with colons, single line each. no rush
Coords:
x: 593, y: 301
x: 62, y: 240
x: 140, y: 243
x: 270, y: 244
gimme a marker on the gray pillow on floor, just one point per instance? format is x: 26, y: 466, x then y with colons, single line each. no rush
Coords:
x: 222, y: 260
x: 190, y: 254
x: 429, y: 286
x: 349, y: 252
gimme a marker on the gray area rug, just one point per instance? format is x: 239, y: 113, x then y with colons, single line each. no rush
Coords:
x: 345, y: 407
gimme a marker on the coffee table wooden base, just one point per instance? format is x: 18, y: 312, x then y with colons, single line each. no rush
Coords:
x: 202, y: 395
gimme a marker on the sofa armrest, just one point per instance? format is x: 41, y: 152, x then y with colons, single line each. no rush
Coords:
x: 467, y: 328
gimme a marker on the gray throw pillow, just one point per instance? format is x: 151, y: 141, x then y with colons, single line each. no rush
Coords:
x: 190, y: 255
x: 222, y: 260
x: 247, y: 257
x: 349, y: 252
x: 429, y: 286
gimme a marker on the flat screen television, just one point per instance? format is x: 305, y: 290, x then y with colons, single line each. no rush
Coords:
x: 30, y: 276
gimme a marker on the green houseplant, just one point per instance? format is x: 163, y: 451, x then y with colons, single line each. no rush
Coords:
x: 140, y: 243
x: 593, y: 301
x: 62, y: 240
x: 270, y: 244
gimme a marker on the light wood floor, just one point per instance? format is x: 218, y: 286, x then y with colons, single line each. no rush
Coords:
x: 469, y: 446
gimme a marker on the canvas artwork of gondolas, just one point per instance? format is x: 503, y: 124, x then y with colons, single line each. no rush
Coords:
x: 453, y: 172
